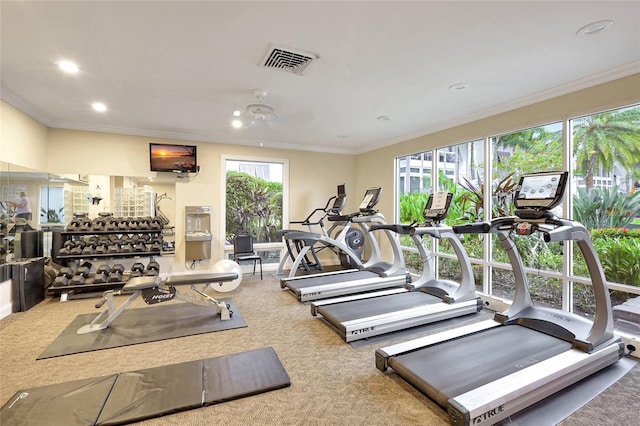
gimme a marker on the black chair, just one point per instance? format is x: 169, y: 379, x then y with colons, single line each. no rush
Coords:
x: 243, y: 251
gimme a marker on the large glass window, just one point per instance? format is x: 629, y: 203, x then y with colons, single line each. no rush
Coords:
x: 254, y: 200
x: 602, y: 154
x: 606, y: 199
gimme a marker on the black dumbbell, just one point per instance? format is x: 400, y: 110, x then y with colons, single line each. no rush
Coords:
x: 88, y: 250
x: 116, y: 273
x: 66, y: 272
x: 153, y: 268
x: 78, y: 279
x: 61, y: 280
x: 136, y: 270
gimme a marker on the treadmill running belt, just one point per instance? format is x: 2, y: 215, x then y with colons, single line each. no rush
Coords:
x: 363, y: 308
x: 449, y: 369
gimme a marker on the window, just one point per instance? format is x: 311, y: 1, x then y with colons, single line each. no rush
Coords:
x: 606, y: 161
x: 52, y: 205
x: 255, y: 194
x: 602, y: 153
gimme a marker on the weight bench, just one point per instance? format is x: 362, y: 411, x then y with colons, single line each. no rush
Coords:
x: 154, y: 289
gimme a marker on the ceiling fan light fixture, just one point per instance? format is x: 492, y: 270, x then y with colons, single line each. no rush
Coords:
x: 594, y: 27
x: 68, y: 67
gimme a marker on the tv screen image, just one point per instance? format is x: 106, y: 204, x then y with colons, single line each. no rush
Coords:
x: 173, y: 158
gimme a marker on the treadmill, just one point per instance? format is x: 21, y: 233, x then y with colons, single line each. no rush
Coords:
x: 487, y: 371
x: 424, y: 301
x: 370, y: 276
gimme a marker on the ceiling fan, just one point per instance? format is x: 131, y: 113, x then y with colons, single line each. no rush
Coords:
x: 259, y: 111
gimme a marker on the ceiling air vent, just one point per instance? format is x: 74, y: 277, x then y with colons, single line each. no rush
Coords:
x: 287, y: 59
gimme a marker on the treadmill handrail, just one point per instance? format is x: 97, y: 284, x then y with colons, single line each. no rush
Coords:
x: 556, y: 230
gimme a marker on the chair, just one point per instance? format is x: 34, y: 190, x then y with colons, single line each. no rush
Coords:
x: 243, y: 251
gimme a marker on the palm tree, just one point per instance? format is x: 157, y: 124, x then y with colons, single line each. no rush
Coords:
x: 602, y: 140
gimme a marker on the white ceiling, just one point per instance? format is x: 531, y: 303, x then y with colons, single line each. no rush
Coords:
x: 179, y: 69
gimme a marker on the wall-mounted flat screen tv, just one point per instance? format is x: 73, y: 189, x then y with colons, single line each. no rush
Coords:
x: 173, y: 158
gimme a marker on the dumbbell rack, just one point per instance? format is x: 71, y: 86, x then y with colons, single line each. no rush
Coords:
x: 65, y: 291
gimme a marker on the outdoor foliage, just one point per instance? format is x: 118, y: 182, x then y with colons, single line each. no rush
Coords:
x: 602, y: 140
x: 605, y: 208
x: 254, y: 206
x: 52, y: 216
x: 619, y: 252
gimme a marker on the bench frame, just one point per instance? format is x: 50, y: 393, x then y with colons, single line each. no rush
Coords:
x: 166, y: 289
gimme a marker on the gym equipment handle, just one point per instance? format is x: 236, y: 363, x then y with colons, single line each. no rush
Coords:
x: 472, y: 228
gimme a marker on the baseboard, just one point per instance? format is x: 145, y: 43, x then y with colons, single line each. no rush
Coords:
x: 6, y: 310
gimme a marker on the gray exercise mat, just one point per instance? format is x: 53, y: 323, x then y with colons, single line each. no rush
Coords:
x: 559, y: 406
x: 143, y: 394
x: 54, y: 404
x: 143, y: 325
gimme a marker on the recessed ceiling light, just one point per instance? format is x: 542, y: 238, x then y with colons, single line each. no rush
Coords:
x: 384, y: 118
x: 99, y: 106
x: 458, y: 87
x: 68, y: 67
x: 594, y: 27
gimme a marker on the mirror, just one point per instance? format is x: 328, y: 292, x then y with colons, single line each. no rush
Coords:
x: 55, y: 199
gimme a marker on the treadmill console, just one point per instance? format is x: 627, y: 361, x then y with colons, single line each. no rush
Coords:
x: 371, y: 198
x: 339, y: 200
x: 437, y: 206
x: 537, y: 193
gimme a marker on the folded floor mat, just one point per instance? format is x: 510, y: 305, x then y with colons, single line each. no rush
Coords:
x: 137, y: 395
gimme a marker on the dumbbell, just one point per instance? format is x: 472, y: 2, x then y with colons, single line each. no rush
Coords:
x: 102, y: 273
x: 140, y: 247
x: 80, y: 276
x: 155, y: 224
x: 89, y: 249
x: 98, y: 224
x: 126, y: 248
x: 76, y: 250
x: 153, y: 268
x: 100, y: 249
x: 74, y: 225
x: 63, y: 276
x: 136, y: 270
x: 111, y: 225
x: 85, y: 225
x: 116, y: 273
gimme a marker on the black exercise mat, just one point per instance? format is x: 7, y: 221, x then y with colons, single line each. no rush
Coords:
x: 154, y: 392
x: 234, y: 376
x: 143, y: 394
x: 143, y: 325
x: 54, y: 405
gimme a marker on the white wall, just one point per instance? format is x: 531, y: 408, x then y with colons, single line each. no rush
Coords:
x: 312, y: 178
x: 23, y: 140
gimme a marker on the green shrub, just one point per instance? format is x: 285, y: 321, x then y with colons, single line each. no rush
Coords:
x: 619, y: 253
x: 605, y: 208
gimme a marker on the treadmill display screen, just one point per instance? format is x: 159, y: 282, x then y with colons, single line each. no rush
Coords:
x: 371, y: 198
x: 437, y: 206
x: 540, y: 190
